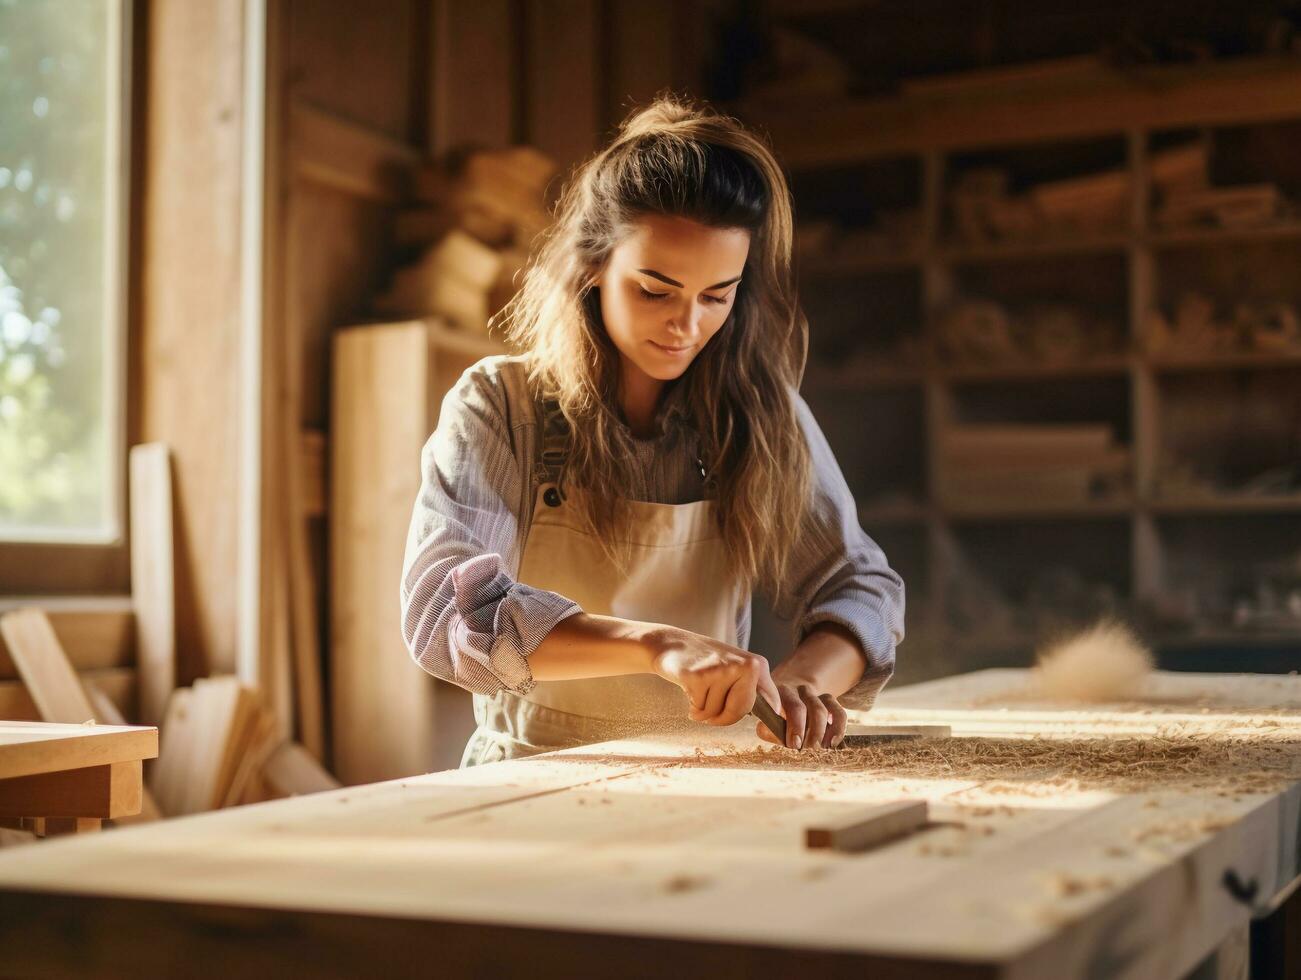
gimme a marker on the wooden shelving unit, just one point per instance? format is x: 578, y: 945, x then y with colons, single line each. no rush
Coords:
x: 909, y: 151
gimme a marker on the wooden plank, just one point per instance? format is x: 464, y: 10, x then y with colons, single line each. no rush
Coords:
x: 877, y: 825
x: 153, y: 575
x: 108, y: 791
x: 29, y: 747
x: 383, y: 718
x: 117, y: 685
x: 95, y: 632
x: 209, y: 731
x: 50, y: 679
x: 293, y: 771
x: 312, y: 466
x: 305, y: 634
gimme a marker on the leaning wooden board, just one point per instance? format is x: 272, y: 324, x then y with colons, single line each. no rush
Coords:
x: 640, y: 858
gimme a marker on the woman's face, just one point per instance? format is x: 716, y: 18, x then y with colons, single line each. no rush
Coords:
x: 667, y: 289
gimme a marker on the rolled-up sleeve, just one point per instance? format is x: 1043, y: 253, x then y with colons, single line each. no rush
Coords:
x: 840, y: 575
x: 465, y: 618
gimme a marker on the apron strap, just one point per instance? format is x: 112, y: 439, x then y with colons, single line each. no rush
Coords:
x: 553, y: 446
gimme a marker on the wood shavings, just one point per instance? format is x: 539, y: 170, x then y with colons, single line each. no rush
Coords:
x: 1069, y: 885
x: 1182, y: 830
x: 1030, y: 765
x: 1103, y: 663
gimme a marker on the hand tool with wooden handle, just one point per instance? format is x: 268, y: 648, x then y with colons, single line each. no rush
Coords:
x: 765, y: 713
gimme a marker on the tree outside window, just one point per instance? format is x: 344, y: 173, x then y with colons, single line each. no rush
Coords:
x: 60, y: 252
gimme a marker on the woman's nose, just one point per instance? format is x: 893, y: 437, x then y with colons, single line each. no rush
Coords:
x: 687, y: 317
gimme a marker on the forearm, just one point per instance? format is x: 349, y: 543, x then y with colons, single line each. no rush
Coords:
x: 588, y: 645
x: 829, y: 660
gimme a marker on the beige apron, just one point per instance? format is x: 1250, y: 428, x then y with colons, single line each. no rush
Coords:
x: 677, y: 576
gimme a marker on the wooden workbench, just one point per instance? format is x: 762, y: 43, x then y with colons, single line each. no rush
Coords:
x: 68, y: 778
x: 642, y: 859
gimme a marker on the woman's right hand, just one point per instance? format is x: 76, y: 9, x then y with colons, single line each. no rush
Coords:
x: 719, y: 679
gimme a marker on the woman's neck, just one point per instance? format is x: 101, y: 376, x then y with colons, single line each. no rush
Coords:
x: 639, y: 397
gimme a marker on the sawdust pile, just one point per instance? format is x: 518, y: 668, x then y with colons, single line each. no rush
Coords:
x: 1105, y: 662
x: 1194, y: 761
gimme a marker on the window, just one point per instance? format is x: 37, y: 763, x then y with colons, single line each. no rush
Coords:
x: 62, y: 253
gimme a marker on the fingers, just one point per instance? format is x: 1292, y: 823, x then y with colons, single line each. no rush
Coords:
x: 740, y: 699
x: 729, y: 690
x: 793, y: 708
x: 839, y: 720
x: 714, y: 699
x: 762, y: 731
x: 816, y: 716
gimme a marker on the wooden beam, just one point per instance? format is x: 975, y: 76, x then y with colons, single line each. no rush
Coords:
x: 153, y: 575
x: 1227, y: 94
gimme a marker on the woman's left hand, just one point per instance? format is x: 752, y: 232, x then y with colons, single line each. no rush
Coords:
x: 812, y: 719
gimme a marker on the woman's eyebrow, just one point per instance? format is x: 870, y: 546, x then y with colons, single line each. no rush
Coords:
x: 673, y: 282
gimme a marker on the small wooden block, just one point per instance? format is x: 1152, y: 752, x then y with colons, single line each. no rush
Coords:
x: 873, y: 827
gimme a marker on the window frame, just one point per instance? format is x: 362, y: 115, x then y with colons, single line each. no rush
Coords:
x: 55, y: 566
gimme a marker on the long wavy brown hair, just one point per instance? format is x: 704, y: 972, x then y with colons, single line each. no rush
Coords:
x: 680, y: 158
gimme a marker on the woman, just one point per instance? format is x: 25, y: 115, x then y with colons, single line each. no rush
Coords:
x: 596, y: 510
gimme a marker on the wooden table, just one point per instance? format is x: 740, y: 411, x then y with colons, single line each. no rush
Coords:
x: 638, y: 859
x: 67, y: 778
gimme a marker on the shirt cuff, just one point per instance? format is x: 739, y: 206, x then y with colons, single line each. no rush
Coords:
x: 502, y: 621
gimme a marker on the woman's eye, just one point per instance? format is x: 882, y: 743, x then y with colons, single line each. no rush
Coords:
x: 649, y: 295
x: 717, y: 299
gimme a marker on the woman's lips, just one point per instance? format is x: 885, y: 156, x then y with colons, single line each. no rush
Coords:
x: 672, y: 351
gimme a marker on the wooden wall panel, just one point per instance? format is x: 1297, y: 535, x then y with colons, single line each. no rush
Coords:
x: 563, y: 88
x: 474, y: 74
x: 356, y: 59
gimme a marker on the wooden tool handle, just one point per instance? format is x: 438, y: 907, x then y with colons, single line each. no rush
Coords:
x: 775, y: 722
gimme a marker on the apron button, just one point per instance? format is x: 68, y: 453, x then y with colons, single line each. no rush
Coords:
x: 552, y: 497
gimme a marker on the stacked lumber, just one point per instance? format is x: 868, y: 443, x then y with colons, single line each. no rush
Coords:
x: 1015, y: 465
x: 985, y: 209
x: 978, y: 331
x: 1187, y: 199
x: 481, y: 212
x: 219, y: 747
